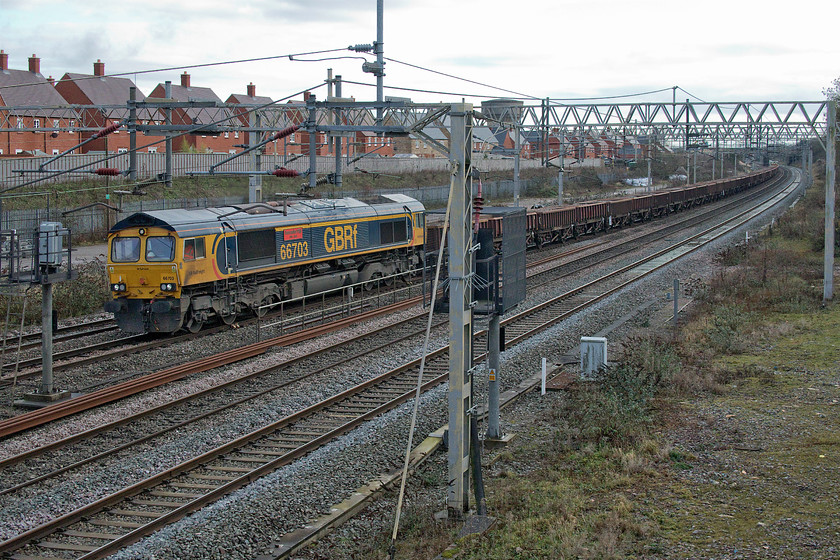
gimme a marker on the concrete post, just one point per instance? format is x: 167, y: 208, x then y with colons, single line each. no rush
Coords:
x: 676, y: 300
x: 517, y: 148
x: 828, y: 268
x: 460, y: 310
x: 560, y: 185
x: 255, y: 181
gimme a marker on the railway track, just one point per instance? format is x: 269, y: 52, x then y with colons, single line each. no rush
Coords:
x: 607, y: 249
x: 68, y: 360
x: 117, y: 520
x: 26, y: 369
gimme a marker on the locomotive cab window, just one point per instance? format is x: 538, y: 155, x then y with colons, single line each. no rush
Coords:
x: 160, y: 249
x: 125, y: 249
x: 193, y: 249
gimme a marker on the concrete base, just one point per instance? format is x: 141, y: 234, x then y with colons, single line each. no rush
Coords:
x: 493, y: 443
x: 476, y: 525
x: 40, y: 400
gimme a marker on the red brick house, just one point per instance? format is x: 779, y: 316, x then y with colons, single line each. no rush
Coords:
x: 99, y: 89
x: 219, y: 120
x: 243, y: 116
x: 32, y: 130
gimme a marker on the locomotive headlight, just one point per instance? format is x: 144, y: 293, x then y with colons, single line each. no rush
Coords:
x: 119, y: 287
x: 167, y: 287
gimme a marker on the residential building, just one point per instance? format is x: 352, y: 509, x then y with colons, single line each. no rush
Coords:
x: 217, y: 120
x: 41, y: 122
x: 112, y: 95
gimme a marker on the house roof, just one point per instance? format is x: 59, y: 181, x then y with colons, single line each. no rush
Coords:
x: 199, y: 115
x: 106, y: 90
x: 248, y: 100
x: 20, y: 88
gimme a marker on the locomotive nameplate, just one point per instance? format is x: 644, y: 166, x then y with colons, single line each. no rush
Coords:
x: 293, y: 234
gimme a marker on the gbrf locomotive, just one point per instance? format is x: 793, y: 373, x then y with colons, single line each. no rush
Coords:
x: 177, y: 269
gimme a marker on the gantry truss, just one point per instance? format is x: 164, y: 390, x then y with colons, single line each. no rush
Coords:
x: 779, y: 121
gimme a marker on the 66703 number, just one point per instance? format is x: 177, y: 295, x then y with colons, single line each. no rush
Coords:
x: 295, y: 250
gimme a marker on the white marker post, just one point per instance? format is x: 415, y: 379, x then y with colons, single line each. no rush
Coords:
x: 542, y: 384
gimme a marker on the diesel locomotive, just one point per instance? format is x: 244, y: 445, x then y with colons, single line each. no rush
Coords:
x: 177, y: 269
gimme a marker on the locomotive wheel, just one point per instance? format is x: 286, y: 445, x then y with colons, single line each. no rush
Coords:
x: 261, y: 311
x: 228, y: 319
x: 373, y: 282
x: 194, y: 325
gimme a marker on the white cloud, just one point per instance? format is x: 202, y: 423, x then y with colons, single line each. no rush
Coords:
x: 718, y: 50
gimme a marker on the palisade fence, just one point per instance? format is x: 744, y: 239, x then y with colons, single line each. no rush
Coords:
x: 183, y: 164
x: 92, y: 223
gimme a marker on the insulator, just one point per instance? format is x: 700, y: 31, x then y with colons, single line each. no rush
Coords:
x: 322, y: 181
x: 108, y: 171
x: 107, y: 130
x: 361, y: 48
x: 285, y: 132
x: 478, y: 203
x: 283, y: 172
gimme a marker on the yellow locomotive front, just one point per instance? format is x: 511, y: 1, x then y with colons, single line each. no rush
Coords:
x: 144, y: 280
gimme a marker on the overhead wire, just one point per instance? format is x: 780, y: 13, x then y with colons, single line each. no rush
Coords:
x: 135, y: 73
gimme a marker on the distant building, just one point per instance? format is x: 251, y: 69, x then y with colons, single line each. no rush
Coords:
x: 20, y: 129
x: 113, y: 94
x: 243, y: 115
x: 219, y: 135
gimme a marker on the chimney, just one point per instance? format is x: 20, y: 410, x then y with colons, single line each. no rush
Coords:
x: 4, y: 60
x: 252, y: 90
x: 51, y: 81
x: 34, y: 64
x: 185, y: 80
x: 306, y: 95
x: 98, y: 68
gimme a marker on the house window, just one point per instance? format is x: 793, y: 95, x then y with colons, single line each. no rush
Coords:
x: 153, y: 150
x: 118, y: 130
x: 55, y: 152
x: 231, y: 151
x: 227, y: 134
x: 71, y: 125
x: 122, y: 150
x: 1, y: 151
x: 292, y: 137
x: 18, y: 151
x: 20, y: 122
x: 36, y: 123
x: 56, y: 123
x: 236, y: 134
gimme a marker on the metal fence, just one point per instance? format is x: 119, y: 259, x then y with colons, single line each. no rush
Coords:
x: 183, y: 164
x: 95, y: 221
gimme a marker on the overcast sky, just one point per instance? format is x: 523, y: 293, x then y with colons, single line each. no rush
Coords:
x: 717, y: 50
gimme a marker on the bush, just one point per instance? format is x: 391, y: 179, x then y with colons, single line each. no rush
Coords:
x: 616, y: 405
x: 726, y: 323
